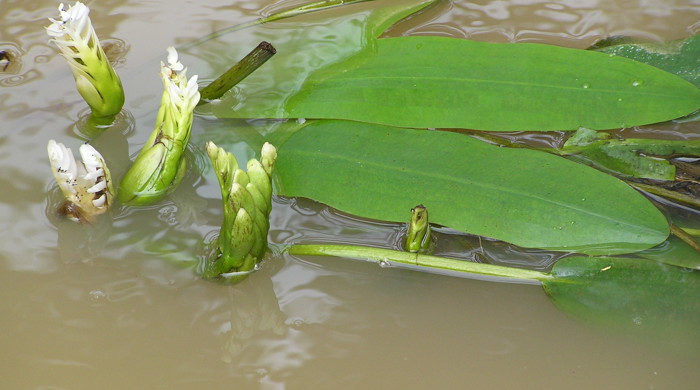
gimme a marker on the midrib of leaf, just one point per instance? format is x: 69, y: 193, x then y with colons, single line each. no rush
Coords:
x: 433, y: 175
x: 492, y: 81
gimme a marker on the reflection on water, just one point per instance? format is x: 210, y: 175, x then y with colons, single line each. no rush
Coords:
x: 116, y: 304
x: 567, y: 23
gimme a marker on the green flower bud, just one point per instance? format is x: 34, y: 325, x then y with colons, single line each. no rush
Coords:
x: 87, y: 186
x: 247, y: 201
x: 263, y: 191
x: 418, y: 237
x: 95, y: 78
x: 161, y: 164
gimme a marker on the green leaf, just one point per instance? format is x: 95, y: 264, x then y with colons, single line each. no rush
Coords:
x: 675, y: 252
x: 452, y: 83
x: 680, y: 57
x: 642, y: 158
x: 639, y: 298
x: 526, y: 197
x: 304, y: 44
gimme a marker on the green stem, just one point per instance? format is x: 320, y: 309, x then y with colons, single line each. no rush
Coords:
x: 312, y: 7
x: 242, y: 69
x: 416, y: 259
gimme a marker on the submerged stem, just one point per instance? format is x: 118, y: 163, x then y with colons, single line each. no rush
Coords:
x: 416, y: 259
x: 685, y: 236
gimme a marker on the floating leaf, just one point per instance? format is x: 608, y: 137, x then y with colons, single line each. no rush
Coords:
x: 525, y: 197
x: 453, y: 83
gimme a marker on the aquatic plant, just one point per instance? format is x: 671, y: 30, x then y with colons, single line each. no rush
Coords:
x: 87, y: 186
x: 368, y: 152
x: 95, y: 77
x: 161, y: 164
x: 247, y: 200
x: 418, y: 236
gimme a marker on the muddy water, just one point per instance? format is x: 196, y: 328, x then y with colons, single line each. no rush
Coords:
x: 109, y: 307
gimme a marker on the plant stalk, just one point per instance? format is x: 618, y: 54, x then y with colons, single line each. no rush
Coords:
x: 685, y: 236
x: 416, y: 259
x: 242, y: 69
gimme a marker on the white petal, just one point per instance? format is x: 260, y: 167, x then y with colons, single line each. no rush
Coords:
x: 97, y: 187
x: 192, y: 91
x: 100, y: 202
x: 91, y: 157
x: 173, y: 62
x: 64, y: 169
x: 92, y: 176
x: 63, y: 165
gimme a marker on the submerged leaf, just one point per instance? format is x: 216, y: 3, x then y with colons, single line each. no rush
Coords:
x: 641, y: 158
x: 675, y: 252
x: 681, y: 57
x: 525, y: 197
x: 637, y: 297
x: 642, y: 299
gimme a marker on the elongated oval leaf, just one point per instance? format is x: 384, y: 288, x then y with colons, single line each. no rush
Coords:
x: 637, y: 297
x: 681, y: 57
x: 529, y: 198
x: 453, y: 83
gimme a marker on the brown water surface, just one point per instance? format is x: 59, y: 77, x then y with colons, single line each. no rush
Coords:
x: 101, y: 307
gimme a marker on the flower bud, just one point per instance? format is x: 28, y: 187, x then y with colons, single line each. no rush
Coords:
x: 161, y: 164
x: 95, y: 77
x: 247, y: 201
x: 418, y: 237
x: 87, y: 186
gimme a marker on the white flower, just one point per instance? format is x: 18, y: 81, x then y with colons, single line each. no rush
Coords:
x: 94, y: 76
x: 182, y: 93
x: 87, y: 186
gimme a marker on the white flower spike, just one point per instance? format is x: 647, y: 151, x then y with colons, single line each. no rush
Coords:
x: 95, y: 78
x: 161, y: 164
x: 87, y: 186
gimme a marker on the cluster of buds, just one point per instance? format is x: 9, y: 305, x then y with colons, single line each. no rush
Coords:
x: 247, y: 200
x: 87, y: 186
x: 161, y: 164
x: 95, y: 78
